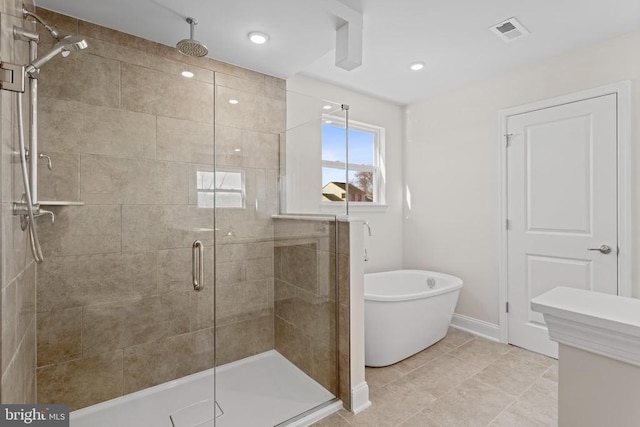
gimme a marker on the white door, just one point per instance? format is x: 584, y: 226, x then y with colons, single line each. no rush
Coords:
x: 562, y: 207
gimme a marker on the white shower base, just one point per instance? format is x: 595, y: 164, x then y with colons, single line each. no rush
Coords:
x: 262, y: 390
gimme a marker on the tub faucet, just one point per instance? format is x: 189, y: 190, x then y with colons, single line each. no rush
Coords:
x: 366, y: 224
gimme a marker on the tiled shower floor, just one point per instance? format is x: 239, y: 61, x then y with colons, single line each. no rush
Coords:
x: 461, y: 381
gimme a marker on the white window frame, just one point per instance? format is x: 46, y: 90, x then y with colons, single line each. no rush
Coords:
x: 379, y: 183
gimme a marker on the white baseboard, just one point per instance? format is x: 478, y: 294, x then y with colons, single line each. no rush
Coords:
x: 360, y: 397
x: 481, y: 328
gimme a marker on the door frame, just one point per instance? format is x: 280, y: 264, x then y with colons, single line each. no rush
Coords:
x: 622, y: 90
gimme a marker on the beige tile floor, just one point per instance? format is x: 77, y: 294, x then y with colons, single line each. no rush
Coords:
x: 462, y: 380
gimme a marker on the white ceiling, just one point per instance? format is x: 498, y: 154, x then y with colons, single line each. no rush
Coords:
x: 450, y: 36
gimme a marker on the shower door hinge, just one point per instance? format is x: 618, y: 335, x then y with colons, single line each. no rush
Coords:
x: 507, y: 139
x: 11, y: 77
x: 506, y: 307
x: 507, y: 224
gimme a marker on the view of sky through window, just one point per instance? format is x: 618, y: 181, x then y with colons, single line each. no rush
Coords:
x: 361, y: 151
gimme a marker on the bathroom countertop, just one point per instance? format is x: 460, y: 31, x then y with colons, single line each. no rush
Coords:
x: 608, y: 325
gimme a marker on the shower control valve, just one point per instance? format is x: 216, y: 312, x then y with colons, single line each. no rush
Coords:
x: 20, y: 208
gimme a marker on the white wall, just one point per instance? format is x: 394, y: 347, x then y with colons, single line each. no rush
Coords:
x: 452, y: 165
x: 385, y: 246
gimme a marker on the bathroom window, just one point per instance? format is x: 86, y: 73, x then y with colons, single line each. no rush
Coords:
x: 365, y: 177
x: 227, y: 186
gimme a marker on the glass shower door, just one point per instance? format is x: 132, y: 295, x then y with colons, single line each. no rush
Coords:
x: 117, y: 308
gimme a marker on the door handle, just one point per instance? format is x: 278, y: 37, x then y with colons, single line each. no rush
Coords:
x: 197, y: 265
x: 604, y: 249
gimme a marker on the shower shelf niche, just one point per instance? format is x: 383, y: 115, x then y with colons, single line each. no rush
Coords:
x: 59, y: 203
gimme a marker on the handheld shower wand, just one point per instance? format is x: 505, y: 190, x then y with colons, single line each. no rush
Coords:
x: 64, y: 47
x: 29, y: 208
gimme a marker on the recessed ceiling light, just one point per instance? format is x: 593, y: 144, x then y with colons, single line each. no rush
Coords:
x: 417, y: 66
x: 258, y: 37
x: 233, y: 101
x: 237, y: 150
x: 187, y: 74
x: 327, y: 107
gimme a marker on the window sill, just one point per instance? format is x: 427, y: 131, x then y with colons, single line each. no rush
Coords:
x: 339, y: 208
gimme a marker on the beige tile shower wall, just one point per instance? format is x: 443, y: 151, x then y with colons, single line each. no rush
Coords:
x: 18, y: 274
x: 127, y: 133
x: 305, y: 297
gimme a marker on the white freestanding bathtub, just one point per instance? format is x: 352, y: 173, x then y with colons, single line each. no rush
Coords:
x: 405, y: 312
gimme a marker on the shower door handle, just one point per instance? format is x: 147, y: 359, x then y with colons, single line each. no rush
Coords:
x: 197, y: 265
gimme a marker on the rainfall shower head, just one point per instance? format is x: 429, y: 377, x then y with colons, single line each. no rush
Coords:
x: 191, y: 47
x: 64, y: 47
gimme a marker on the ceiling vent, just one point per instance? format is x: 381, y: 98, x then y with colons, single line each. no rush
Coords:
x: 509, y: 30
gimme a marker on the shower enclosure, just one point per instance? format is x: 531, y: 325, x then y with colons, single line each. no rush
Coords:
x: 170, y: 265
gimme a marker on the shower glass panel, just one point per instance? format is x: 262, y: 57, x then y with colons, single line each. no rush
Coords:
x: 312, y: 176
x: 275, y: 292
x: 314, y: 157
x: 305, y: 298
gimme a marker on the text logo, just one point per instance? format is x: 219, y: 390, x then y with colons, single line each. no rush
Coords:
x: 34, y: 415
